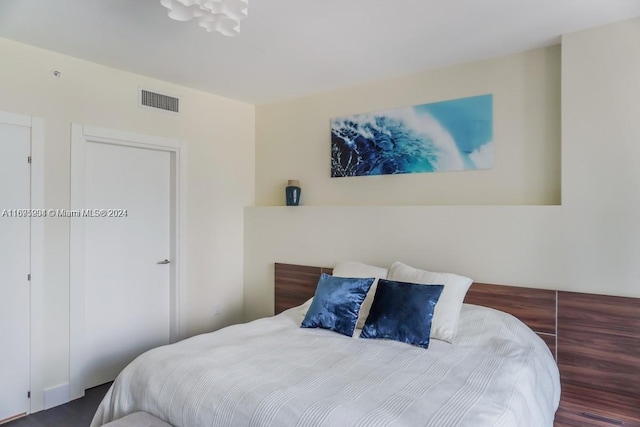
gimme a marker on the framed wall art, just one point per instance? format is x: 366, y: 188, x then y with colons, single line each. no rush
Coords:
x: 452, y: 135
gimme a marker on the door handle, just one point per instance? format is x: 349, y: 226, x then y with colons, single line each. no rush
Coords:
x: 164, y: 261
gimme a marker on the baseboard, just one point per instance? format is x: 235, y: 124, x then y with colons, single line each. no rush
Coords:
x: 15, y: 417
x: 54, y: 396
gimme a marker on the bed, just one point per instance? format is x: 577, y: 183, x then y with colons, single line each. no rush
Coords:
x: 271, y: 372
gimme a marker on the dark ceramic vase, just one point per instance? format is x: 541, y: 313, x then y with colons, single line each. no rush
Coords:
x: 292, y: 192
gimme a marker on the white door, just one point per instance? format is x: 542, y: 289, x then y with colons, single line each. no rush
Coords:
x: 14, y: 267
x: 127, y: 288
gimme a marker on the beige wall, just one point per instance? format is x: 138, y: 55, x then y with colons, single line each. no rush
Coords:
x: 219, y: 133
x: 591, y: 243
x: 293, y: 138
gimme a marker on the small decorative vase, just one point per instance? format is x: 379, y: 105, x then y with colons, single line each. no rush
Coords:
x: 292, y: 192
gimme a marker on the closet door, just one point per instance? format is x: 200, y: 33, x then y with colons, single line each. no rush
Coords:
x: 127, y: 283
x: 15, y: 144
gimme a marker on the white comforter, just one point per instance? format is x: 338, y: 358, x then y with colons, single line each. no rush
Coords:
x: 272, y: 373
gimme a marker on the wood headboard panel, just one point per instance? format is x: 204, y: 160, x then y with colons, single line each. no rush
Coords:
x: 294, y: 284
x: 534, y: 307
x: 595, y: 338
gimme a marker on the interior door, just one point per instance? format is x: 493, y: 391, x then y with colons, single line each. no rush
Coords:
x: 14, y: 267
x: 127, y: 281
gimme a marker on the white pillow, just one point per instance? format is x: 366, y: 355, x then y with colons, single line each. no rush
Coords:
x: 305, y: 307
x: 360, y: 270
x: 447, y: 312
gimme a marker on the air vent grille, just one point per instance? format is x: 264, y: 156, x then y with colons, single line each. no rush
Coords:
x: 160, y: 101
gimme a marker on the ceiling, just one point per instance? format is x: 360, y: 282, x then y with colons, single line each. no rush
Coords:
x: 292, y: 48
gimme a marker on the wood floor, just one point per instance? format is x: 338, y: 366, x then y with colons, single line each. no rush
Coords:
x: 77, y: 413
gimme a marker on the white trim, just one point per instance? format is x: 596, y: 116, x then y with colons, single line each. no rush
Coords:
x: 76, y: 264
x: 129, y: 138
x: 36, y: 268
x: 55, y: 396
x: 180, y: 301
x: 15, y: 119
x: 80, y: 135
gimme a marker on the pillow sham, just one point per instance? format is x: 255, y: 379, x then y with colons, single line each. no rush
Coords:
x: 402, y: 312
x: 358, y: 269
x: 447, y: 312
x: 336, y: 303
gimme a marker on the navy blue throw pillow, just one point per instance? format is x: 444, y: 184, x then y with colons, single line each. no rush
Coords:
x: 402, y: 312
x: 336, y: 303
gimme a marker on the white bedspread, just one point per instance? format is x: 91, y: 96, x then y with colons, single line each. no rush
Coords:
x: 272, y: 373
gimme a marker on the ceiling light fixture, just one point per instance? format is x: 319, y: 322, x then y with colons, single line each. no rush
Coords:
x: 223, y: 16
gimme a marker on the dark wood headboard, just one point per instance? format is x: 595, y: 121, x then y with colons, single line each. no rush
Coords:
x: 595, y: 339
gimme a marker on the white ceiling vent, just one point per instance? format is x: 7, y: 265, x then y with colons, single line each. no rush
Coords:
x: 159, y: 101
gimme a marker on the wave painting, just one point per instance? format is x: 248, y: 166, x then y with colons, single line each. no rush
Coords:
x: 441, y: 136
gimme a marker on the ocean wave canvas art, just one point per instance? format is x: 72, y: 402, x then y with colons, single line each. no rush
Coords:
x: 441, y: 136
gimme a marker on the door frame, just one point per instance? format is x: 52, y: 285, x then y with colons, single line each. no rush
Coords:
x: 80, y: 135
x: 36, y: 294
